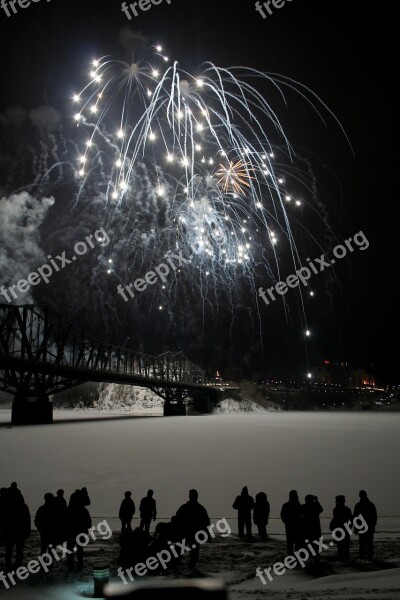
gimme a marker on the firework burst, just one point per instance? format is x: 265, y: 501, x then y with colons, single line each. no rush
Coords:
x: 181, y: 126
x: 196, y: 157
x: 235, y: 177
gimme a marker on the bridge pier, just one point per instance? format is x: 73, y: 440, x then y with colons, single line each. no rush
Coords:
x: 204, y: 401
x: 174, y: 401
x: 38, y: 411
x: 174, y: 409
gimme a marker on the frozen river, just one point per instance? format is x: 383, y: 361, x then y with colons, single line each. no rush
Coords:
x: 320, y: 453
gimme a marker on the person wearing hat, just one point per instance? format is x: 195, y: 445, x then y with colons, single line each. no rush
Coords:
x: 367, y: 510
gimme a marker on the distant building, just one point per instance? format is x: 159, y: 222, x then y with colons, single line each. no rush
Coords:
x: 215, y: 378
x: 333, y: 372
x: 362, y: 377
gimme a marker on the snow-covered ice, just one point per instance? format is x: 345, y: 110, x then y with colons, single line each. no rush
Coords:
x: 320, y: 453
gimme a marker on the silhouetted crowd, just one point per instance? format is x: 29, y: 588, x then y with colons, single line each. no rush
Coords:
x: 138, y: 545
x: 15, y: 523
x: 56, y: 522
x: 302, y: 521
x: 60, y: 523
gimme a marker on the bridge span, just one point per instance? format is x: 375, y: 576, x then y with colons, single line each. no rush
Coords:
x: 41, y: 355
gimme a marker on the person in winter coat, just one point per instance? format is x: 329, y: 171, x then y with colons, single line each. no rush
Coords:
x: 261, y: 514
x: 17, y: 527
x: 45, y: 522
x: 192, y: 518
x: 61, y: 517
x: 75, y: 498
x: 311, y: 524
x: 126, y: 511
x: 14, y: 491
x: 341, y: 515
x: 291, y: 515
x: 134, y: 547
x: 244, y: 504
x: 3, y: 504
x: 367, y: 510
x: 148, y: 511
x: 166, y: 533
x: 59, y: 501
x: 79, y: 523
x: 85, y: 497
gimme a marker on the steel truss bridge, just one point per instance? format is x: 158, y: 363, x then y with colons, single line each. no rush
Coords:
x: 40, y: 356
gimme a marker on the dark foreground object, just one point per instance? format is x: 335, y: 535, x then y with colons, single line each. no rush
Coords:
x: 195, y: 589
x: 101, y: 577
x: 33, y: 412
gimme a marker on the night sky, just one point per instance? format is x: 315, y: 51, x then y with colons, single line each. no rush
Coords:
x: 345, y: 52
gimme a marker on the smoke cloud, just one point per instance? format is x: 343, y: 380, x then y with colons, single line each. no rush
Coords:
x: 20, y: 243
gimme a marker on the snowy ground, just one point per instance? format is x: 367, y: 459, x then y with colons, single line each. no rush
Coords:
x: 230, y: 405
x: 320, y: 453
x: 125, y: 398
x: 234, y: 562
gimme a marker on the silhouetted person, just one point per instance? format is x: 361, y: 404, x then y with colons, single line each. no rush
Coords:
x: 75, y: 498
x: 61, y: 517
x: 341, y: 515
x: 59, y: 501
x: 3, y: 501
x: 191, y: 518
x: 17, y: 527
x: 45, y: 522
x: 85, y: 497
x: 148, y: 511
x: 134, y: 545
x: 126, y: 511
x: 14, y: 491
x: 79, y: 521
x: 261, y: 514
x: 311, y: 524
x: 291, y: 515
x: 167, y: 532
x: 367, y: 510
x: 164, y: 533
x: 244, y: 504
x: 127, y: 548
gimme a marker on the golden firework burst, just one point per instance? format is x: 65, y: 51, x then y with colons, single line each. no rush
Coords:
x: 235, y: 177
